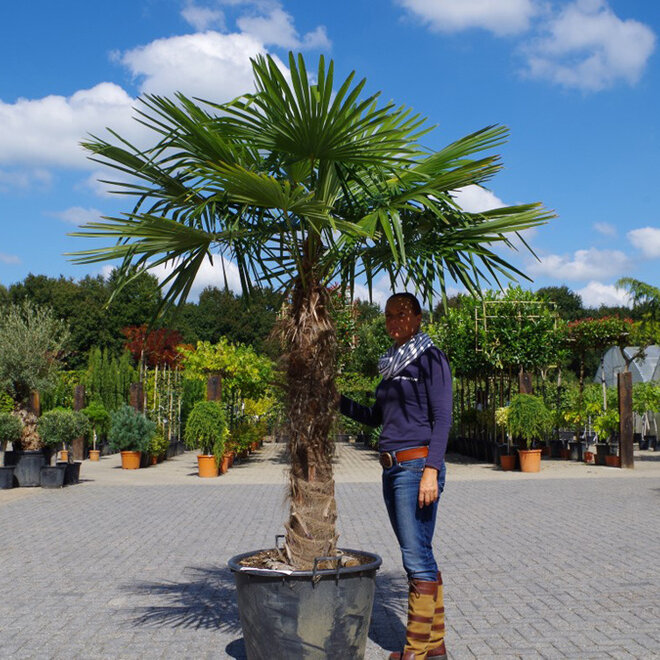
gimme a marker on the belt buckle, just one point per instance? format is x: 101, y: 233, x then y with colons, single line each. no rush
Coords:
x: 386, y: 459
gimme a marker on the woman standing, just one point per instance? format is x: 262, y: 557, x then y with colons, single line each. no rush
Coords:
x: 413, y: 404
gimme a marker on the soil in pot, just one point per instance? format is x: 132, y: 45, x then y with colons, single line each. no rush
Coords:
x: 530, y: 460
x: 6, y: 477
x: 319, y: 614
x: 207, y: 466
x: 130, y: 460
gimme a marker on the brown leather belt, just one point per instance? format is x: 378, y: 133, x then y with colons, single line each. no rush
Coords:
x: 387, y: 458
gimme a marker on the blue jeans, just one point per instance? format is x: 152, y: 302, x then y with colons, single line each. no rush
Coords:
x: 413, y: 526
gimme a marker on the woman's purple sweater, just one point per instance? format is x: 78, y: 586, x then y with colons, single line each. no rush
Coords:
x: 414, y: 407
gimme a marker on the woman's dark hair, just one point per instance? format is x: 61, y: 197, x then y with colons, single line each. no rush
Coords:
x: 414, y: 303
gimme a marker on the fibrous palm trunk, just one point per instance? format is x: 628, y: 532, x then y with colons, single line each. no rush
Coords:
x: 310, y: 382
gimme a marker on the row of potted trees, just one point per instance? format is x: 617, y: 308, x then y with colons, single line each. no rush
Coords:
x: 207, y: 430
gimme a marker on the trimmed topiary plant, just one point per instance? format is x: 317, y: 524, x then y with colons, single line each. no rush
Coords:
x: 58, y: 427
x: 98, y: 417
x: 130, y: 430
x: 206, y: 429
x: 10, y: 429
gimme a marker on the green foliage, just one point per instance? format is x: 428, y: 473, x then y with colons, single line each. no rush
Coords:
x: 82, y: 304
x: 568, y: 303
x: 108, y: 379
x: 206, y: 429
x: 10, y: 428
x: 130, y: 430
x: 501, y: 331
x: 32, y: 343
x: 59, y: 427
x: 61, y: 394
x: 192, y: 391
x: 98, y: 416
x: 646, y: 397
x: 159, y: 444
x: 606, y: 424
x: 6, y: 402
x: 246, y: 432
x: 528, y: 418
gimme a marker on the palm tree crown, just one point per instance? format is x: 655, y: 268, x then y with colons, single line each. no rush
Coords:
x: 301, y: 184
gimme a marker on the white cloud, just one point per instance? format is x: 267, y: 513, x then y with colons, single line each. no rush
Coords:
x: 605, y: 228
x: 202, y: 18
x: 503, y: 17
x: 588, y: 47
x: 583, y: 265
x: 77, y: 215
x: 9, y: 258
x: 207, y: 65
x: 475, y: 199
x: 646, y: 239
x: 277, y: 29
x: 47, y: 131
x: 595, y: 294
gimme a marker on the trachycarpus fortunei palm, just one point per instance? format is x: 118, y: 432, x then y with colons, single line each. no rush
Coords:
x: 301, y: 184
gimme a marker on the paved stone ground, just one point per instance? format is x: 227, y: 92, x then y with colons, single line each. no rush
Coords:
x: 562, y: 564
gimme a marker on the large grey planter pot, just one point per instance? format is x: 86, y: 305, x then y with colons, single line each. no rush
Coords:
x: 28, y: 467
x: 310, y: 615
x: 52, y: 476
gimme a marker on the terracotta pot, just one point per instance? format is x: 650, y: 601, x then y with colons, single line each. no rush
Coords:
x: 564, y: 454
x: 94, y: 454
x: 254, y: 445
x: 232, y: 454
x: 224, y: 464
x: 154, y: 459
x: 508, y: 461
x: 130, y: 460
x: 207, y: 465
x: 613, y: 461
x: 530, y: 460
x: 64, y: 455
x: 588, y: 457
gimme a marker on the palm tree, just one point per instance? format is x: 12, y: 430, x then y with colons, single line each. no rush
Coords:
x: 302, y: 184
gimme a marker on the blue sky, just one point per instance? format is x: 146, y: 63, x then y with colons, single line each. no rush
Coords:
x: 576, y: 81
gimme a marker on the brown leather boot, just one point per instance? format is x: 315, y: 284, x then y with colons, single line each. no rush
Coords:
x: 421, y: 610
x: 436, y: 649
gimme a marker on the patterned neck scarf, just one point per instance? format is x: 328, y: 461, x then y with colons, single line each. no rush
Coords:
x: 399, y: 357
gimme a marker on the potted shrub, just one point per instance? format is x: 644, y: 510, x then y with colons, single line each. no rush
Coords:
x: 528, y: 420
x: 158, y: 446
x: 33, y: 342
x: 206, y: 430
x: 646, y: 401
x: 57, y: 428
x: 507, y: 458
x: 10, y: 431
x: 301, y: 183
x: 99, y: 419
x: 606, y: 424
x: 130, y: 433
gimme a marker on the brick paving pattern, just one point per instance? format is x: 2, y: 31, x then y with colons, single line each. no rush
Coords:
x: 133, y: 564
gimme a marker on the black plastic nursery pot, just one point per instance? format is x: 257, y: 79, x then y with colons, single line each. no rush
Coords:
x: 52, y: 476
x: 6, y: 477
x: 316, y: 614
x: 577, y: 449
x: 71, y: 472
x: 28, y: 466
